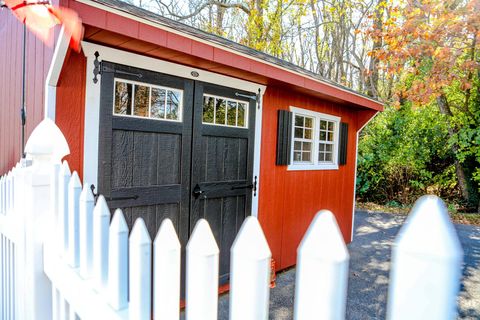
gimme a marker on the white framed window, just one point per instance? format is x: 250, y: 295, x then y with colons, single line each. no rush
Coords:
x: 315, y: 140
x: 143, y: 100
x: 221, y: 111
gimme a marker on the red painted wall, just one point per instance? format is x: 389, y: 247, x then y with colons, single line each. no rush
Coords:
x: 70, y: 111
x: 38, y: 62
x: 290, y: 199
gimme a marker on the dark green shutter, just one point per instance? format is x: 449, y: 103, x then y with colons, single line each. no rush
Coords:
x: 284, y: 137
x: 342, y: 148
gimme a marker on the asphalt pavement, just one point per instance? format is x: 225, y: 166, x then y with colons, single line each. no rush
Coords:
x: 369, y: 272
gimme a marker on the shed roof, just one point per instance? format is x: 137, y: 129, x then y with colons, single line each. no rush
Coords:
x: 347, y: 95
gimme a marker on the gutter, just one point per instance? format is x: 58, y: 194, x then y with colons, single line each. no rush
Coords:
x: 53, y: 74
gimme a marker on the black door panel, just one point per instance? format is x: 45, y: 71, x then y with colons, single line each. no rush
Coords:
x: 183, y: 170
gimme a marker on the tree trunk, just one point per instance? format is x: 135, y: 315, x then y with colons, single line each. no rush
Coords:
x: 377, y: 44
x: 461, y: 179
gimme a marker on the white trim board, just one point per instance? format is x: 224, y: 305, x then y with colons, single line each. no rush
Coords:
x: 92, y: 102
x: 213, y: 44
x: 53, y: 74
x: 355, y: 176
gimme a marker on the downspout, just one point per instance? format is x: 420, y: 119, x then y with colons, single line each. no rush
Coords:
x: 355, y: 178
x: 54, y: 74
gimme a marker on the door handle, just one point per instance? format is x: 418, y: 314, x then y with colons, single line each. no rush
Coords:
x: 197, y: 191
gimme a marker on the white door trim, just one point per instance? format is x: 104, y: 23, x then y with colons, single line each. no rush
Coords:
x: 92, y: 102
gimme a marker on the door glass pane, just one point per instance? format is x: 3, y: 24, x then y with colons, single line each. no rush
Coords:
x: 141, y: 101
x: 123, y: 98
x: 208, y: 109
x: 232, y: 113
x: 220, y: 106
x: 158, y: 103
x: 173, y: 102
x: 241, y: 122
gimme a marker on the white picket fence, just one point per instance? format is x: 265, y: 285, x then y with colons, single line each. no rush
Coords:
x: 62, y: 257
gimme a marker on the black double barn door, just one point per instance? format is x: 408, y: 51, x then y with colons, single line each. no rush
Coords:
x: 166, y: 152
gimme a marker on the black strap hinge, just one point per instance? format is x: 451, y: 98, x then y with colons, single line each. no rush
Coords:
x: 100, y: 68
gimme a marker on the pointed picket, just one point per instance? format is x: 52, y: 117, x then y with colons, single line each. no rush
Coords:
x: 101, y: 222
x: 54, y: 192
x: 322, y: 271
x: 202, y: 274
x: 9, y: 190
x: 64, y: 178
x: 426, y: 265
x: 118, y: 262
x: 166, y: 276
x: 74, y: 189
x: 250, y: 273
x: 86, y: 231
x: 2, y: 195
x: 140, y: 272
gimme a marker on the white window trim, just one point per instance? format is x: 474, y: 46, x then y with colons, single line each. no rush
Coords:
x: 317, y: 117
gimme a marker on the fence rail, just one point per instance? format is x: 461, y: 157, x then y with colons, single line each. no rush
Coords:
x: 62, y: 257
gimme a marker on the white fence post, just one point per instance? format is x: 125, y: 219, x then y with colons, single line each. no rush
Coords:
x: 74, y: 189
x: 118, y: 262
x: 166, y: 276
x: 140, y: 272
x: 101, y: 222
x: 426, y: 265
x: 46, y: 146
x: 86, y: 231
x: 322, y: 271
x: 64, y: 178
x: 250, y: 273
x: 202, y: 274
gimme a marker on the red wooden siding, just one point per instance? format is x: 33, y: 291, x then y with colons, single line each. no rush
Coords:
x: 70, y: 111
x: 38, y: 63
x: 289, y: 199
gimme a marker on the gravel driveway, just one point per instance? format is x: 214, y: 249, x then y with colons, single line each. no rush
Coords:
x: 369, y: 270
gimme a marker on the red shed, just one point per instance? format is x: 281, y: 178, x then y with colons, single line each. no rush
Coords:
x: 169, y: 121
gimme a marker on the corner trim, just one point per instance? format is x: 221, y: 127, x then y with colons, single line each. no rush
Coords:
x: 53, y: 74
